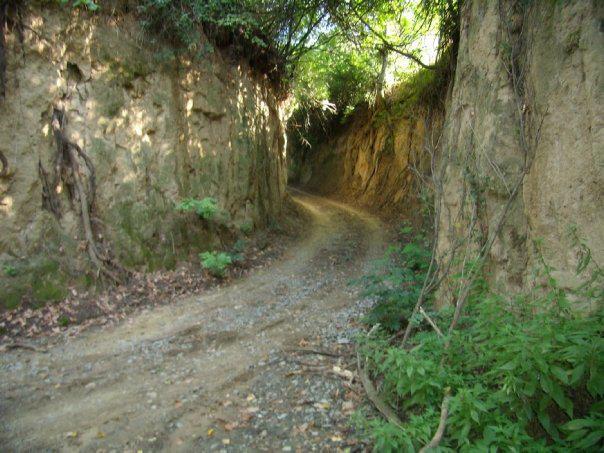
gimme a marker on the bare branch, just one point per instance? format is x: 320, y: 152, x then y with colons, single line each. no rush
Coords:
x: 431, y: 322
x: 442, y: 424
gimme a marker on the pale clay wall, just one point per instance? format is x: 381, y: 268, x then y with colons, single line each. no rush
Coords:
x: 157, y: 131
x: 563, y: 60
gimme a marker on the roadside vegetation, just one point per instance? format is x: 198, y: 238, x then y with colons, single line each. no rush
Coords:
x: 513, y: 373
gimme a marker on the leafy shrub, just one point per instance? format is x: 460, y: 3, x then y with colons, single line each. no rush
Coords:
x: 216, y: 262
x: 247, y: 227
x: 238, y: 252
x: 525, y: 374
x: 396, y: 284
x: 205, y: 208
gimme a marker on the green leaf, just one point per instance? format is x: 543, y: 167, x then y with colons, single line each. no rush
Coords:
x: 580, y: 423
x: 590, y: 440
x: 577, y: 373
x: 547, y: 424
x: 560, y: 374
x: 557, y: 393
x: 511, y: 365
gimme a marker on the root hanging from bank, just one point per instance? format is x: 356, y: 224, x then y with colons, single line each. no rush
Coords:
x: 11, y: 18
x: 74, y: 171
x: 4, y: 162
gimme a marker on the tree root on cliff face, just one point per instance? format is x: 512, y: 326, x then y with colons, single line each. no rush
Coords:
x: 70, y: 173
x: 4, y: 171
x: 10, y: 18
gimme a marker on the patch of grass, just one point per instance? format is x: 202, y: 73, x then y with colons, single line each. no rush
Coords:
x: 11, y: 298
x: 48, y: 291
x: 40, y: 280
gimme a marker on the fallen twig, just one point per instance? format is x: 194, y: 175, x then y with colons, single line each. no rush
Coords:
x: 18, y: 345
x: 309, y: 364
x: 314, y: 351
x: 440, y: 431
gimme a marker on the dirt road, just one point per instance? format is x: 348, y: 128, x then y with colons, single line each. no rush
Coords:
x: 203, y: 373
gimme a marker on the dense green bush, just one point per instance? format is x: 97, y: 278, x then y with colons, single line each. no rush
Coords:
x: 524, y: 373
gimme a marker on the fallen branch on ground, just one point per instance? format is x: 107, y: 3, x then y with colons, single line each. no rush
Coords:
x: 18, y: 345
x: 314, y: 351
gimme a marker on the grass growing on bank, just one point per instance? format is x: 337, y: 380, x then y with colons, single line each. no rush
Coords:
x: 523, y: 373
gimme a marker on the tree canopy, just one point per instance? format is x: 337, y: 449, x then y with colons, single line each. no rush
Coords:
x: 301, y: 42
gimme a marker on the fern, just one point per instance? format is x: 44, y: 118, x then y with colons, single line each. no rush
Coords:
x: 205, y: 208
x: 215, y: 262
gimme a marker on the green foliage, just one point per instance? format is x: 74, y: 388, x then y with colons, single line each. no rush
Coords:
x: 39, y: 281
x: 247, y: 227
x: 216, y: 262
x: 271, y: 35
x: 10, y: 271
x: 525, y: 374
x: 237, y: 254
x: 396, y: 283
x: 205, y: 208
x: 88, y: 4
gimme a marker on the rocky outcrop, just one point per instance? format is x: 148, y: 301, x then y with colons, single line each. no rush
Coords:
x: 524, y: 137
x: 156, y: 128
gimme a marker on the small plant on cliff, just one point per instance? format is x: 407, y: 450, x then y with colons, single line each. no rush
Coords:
x: 10, y: 270
x: 205, y: 208
x: 89, y: 4
x: 216, y: 263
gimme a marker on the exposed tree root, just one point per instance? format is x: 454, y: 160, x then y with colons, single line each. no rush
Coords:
x: 4, y: 162
x: 10, y: 17
x: 71, y: 167
x: 3, y: 19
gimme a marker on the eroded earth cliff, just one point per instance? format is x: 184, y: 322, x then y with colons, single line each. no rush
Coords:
x: 153, y: 128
